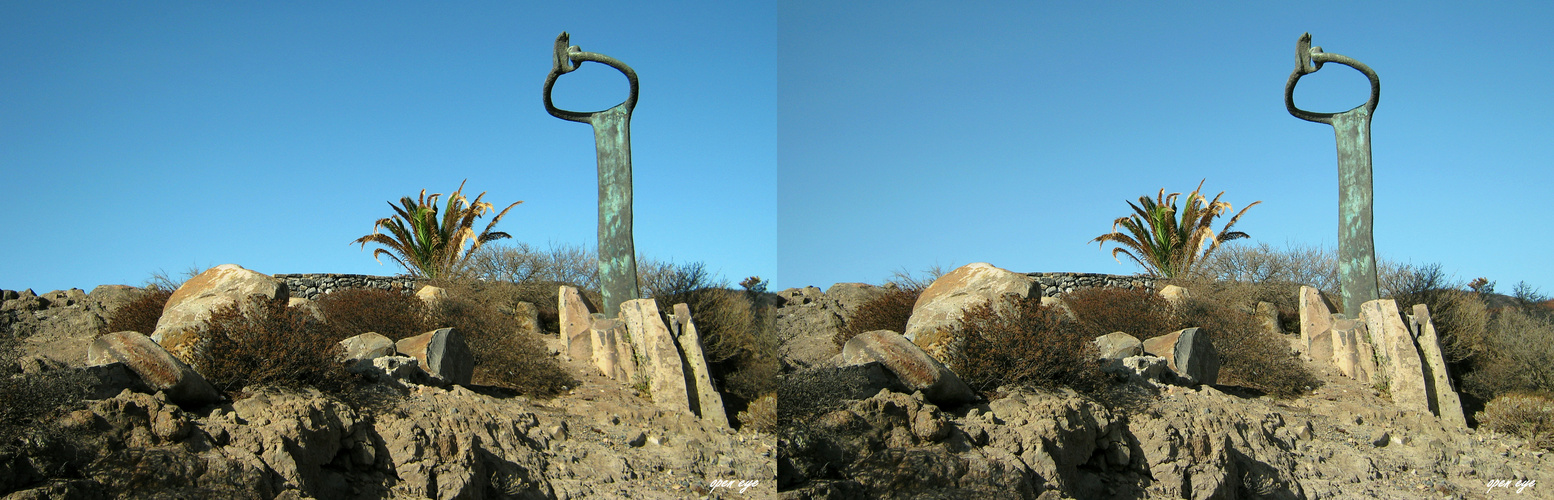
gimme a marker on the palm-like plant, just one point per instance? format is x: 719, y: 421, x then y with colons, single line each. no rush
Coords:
x: 1166, y: 245
x: 431, y: 244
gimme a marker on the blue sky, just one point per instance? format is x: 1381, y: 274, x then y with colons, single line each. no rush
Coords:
x: 809, y: 142
x: 921, y: 133
x: 137, y: 137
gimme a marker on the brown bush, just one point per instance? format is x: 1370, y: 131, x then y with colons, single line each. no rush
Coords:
x: 1140, y: 313
x: 761, y: 414
x: 888, y: 312
x: 1517, y: 356
x: 276, y: 345
x: 1249, y: 356
x: 505, y: 354
x: 140, y: 315
x: 391, y: 313
x: 1030, y: 345
x: 1527, y: 415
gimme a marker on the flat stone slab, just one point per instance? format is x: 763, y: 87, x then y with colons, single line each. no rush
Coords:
x: 913, y: 366
x: 157, y: 368
x: 442, y: 353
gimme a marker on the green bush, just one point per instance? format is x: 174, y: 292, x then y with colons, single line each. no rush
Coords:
x: 1527, y: 415
x: 888, y: 312
x: 391, y: 313
x: 139, y: 315
x: 1032, y: 344
x: 275, y: 345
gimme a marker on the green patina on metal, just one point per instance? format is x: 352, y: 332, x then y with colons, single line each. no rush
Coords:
x: 1356, y: 243
x: 612, y: 140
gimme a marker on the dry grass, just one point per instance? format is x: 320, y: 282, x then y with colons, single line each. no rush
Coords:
x: 140, y: 315
x: 888, y: 312
x: 274, y: 345
x: 1032, y: 344
x: 505, y: 354
x: 1249, y: 356
x: 391, y: 313
x: 1527, y: 415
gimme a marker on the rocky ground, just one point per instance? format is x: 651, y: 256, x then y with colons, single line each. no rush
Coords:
x: 1343, y: 440
x: 599, y: 440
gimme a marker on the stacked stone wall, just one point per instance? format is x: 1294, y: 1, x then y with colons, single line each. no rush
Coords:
x: 311, y: 286
x: 1053, y: 284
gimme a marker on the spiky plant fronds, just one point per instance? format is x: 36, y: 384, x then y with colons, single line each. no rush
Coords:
x: 430, y: 243
x: 1167, y: 245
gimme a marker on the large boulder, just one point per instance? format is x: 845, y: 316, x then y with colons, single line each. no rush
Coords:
x: 110, y: 298
x: 155, y: 366
x: 941, y: 305
x: 367, y: 346
x: 186, y: 317
x: 911, y: 364
x: 1400, y: 364
x: 1189, y: 353
x: 442, y: 353
x: 848, y: 297
x: 810, y: 321
x: 1118, y: 345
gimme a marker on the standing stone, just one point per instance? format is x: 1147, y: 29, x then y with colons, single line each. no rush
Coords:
x: 186, y: 317
x: 156, y: 367
x: 939, y: 309
x: 574, y: 311
x: 1346, y: 349
x: 431, y: 295
x: 911, y: 364
x: 1445, y: 401
x: 705, y: 400
x: 1268, y: 317
x: 661, y: 360
x: 1315, y: 315
x: 1189, y: 353
x: 602, y: 335
x: 443, y: 353
x: 625, y: 353
x: 527, y: 316
x: 1402, y: 367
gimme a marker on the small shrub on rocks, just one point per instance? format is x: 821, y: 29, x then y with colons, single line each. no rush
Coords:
x: 1527, y: 415
x: 140, y: 315
x: 1249, y: 356
x: 505, y: 355
x: 1032, y: 344
x: 276, y: 345
x: 888, y: 312
x: 391, y: 313
x: 1140, y: 313
x: 761, y: 415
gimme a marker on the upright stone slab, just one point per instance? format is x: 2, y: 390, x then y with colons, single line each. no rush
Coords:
x: 1400, y: 359
x: 443, y: 353
x: 602, y: 335
x: 1346, y: 350
x: 625, y: 353
x: 661, y: 360
x: 1316, y: 315
x: 705, y: 400
x: 1268, y: 316
x: 940, y: 307
x: 1447, y: 404
x: 156, y: 367
x: 574, y: 311
x: 186, y: 317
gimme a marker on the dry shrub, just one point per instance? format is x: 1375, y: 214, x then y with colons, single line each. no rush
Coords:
x: 275, y: 345
x: 1032, y: 344
x: 1296, y: 264
x: 1249, y: 356
x: 1527, y: 415
x: 761, y: 415
x: 1518, y: 356
x: 140, y: 315
x: 1140, y: 313
x: 505, y: 354
x: 1244, y: 296
x: 391, y: 313
x: 888, y: 312
x: 523, y: 263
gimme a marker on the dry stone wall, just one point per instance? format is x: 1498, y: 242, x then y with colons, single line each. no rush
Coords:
x: 1053, y: 284
x: 311, y: 286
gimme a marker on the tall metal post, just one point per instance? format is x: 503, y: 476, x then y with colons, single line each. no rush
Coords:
x: 1356, y: 242
x: 612, y: 140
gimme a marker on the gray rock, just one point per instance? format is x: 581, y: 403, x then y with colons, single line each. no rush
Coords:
x: 442, y: 353
x: 574, y: 312
x: 911, y: 364
x: 155, y: 366
x: 1189, y: 353
x: 367, y: 346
